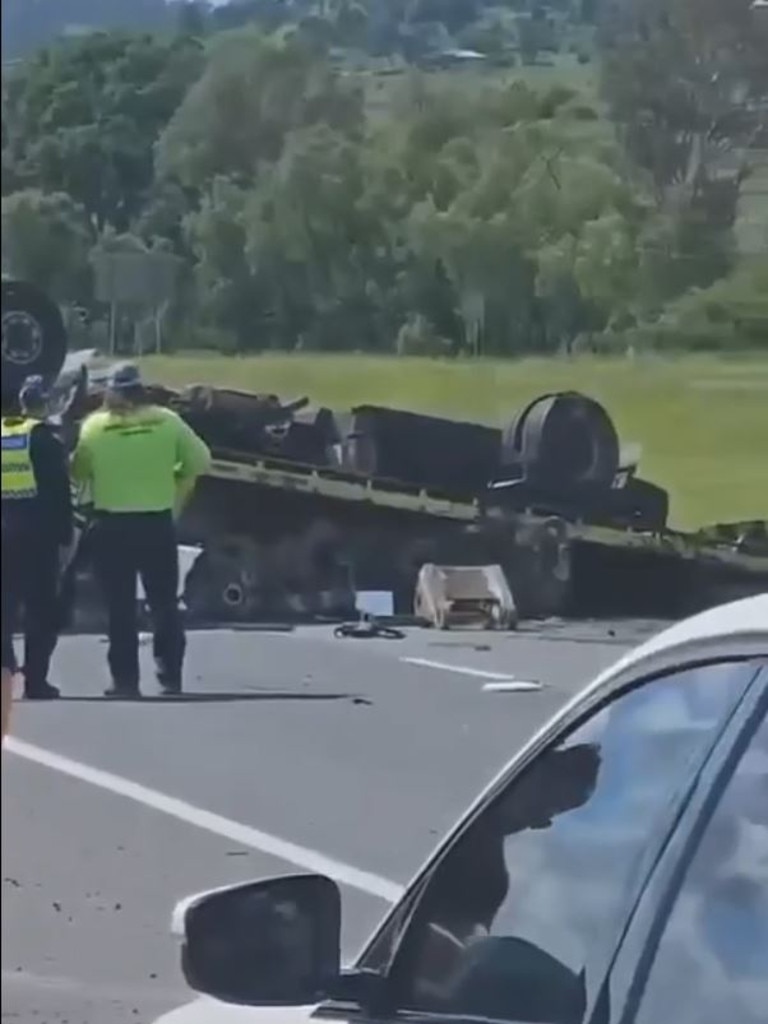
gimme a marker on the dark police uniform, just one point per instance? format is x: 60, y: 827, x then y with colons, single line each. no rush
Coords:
x: 37, y: 524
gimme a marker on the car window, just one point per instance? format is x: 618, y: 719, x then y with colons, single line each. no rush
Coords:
x: 514, y: 914
x: 711, y: 965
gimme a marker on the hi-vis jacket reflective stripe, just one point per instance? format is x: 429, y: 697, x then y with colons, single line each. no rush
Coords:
x: 18, y: 473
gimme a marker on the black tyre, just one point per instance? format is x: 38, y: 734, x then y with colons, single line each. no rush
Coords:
x: 563, y: 440
x: 224, y: 584
x: 34, y: 338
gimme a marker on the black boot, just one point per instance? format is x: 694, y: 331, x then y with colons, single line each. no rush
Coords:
x: 121, y: 691
x: 40, y: 691
x: 168, y: 681
x: 169, y: 688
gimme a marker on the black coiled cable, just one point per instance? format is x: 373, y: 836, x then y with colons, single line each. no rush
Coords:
x: 367, y: 629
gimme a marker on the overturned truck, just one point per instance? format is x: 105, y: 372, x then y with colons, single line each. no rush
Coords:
x: 305, y: 507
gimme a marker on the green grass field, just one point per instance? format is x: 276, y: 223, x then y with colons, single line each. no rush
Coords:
x: 703, y: 423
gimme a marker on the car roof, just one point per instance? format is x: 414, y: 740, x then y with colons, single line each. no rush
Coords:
x: 739, y: 628
x: 748, y: 617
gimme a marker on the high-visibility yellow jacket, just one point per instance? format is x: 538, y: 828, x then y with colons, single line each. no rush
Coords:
x: 145, y: 460
x: 18, y: 473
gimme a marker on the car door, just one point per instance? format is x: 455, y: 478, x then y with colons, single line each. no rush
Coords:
x: 697, y: 949
x: 519, y: 917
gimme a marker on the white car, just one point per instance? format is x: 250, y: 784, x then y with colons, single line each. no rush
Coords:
x: 615, y: 872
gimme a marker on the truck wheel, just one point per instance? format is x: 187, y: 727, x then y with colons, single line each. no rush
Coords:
x: 563, y: 440
x: 34, y: 338
x: 224, y: 583
x: 540, y: 571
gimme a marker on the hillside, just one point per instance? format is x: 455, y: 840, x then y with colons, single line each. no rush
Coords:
x: 317, y: 188
x: 414, y: 30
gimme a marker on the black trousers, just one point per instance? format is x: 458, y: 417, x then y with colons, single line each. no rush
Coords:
x: 29, y: 569
x: 124, y: 547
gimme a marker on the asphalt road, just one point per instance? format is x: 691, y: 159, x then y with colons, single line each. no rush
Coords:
x: 288, y: 750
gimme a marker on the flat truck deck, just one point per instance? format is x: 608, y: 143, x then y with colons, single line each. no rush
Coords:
x: 726, y: 544
x: 280, y: 536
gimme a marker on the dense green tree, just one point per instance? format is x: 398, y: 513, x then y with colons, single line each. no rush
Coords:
x: 679, y: 78
x: 447, y: 215
x: 225, y: 291
x: 83, y: 116
x: 316, y: 245
x: 454, y: 14
x: 47, y: 240
x: 685, y: 81
x: 254, y: 91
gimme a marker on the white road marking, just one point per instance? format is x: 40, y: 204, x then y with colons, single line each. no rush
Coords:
x: 245, y: 835
x: 444, y: 666
x: 517, y: 687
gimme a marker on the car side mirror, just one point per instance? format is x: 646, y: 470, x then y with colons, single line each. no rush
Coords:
x: 270, y: 943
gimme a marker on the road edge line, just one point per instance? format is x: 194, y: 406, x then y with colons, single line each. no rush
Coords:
x: 207, y: 821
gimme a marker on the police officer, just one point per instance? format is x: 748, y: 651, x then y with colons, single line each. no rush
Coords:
x: 140, y: 462
x: 37, y: 528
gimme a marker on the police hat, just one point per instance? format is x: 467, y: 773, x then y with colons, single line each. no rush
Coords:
x: 124, y: 377
x: 33, y: 392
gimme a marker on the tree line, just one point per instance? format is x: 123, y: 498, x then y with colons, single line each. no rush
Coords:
x: 308, y: 202
x: 376, y: 26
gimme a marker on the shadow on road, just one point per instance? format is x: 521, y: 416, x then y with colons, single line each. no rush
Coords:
x: 191, y: 697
